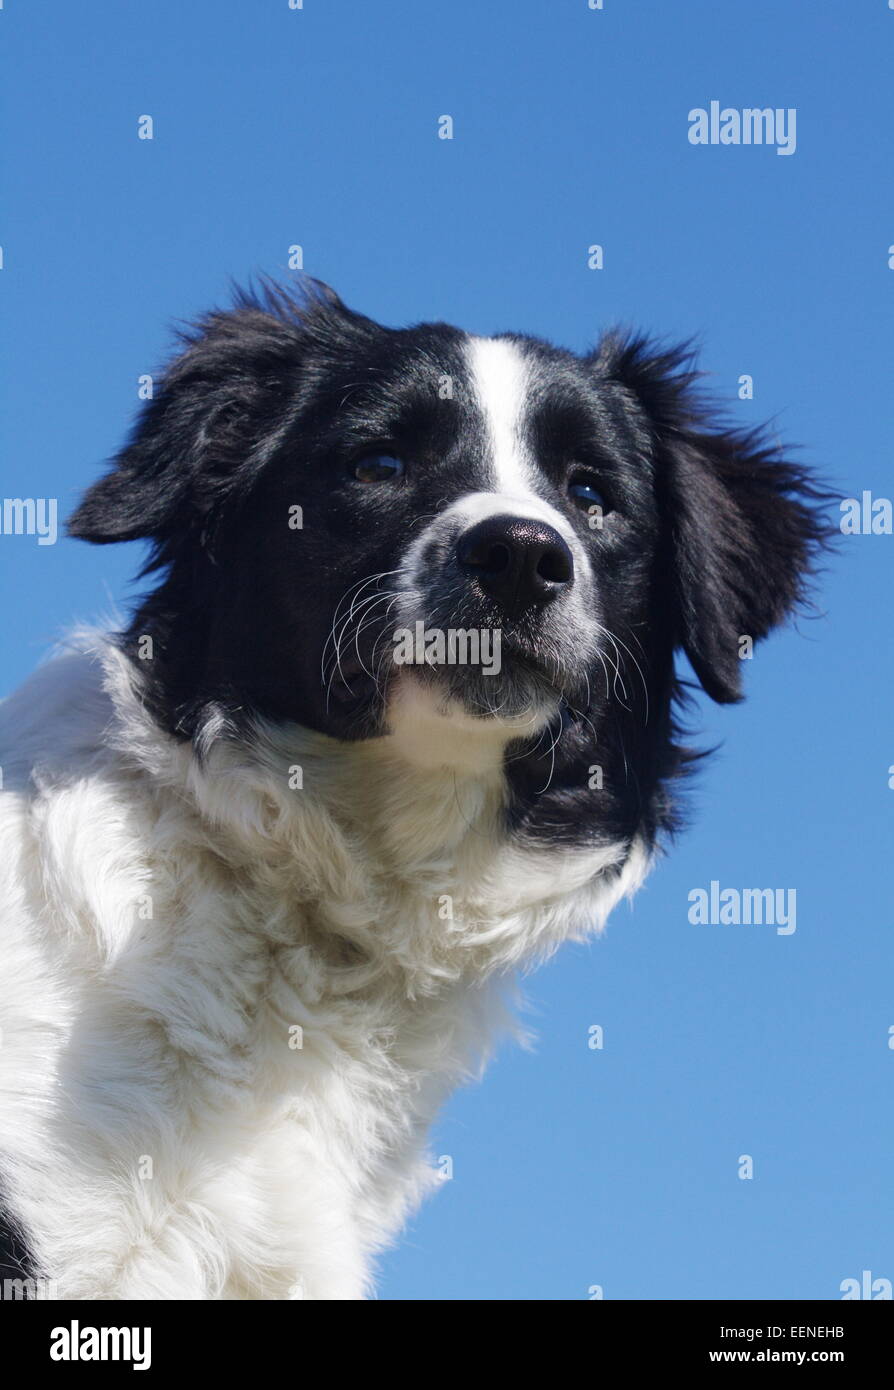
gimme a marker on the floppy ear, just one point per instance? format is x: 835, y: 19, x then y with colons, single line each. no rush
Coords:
x: 744, y: 523
x: 219, y: 403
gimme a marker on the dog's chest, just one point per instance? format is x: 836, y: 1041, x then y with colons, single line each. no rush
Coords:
x: 265, y: 997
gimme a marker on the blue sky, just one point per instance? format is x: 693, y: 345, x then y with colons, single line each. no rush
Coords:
x: 572, y: 1167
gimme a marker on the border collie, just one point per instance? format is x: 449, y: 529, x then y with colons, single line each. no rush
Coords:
x: 270, y: 857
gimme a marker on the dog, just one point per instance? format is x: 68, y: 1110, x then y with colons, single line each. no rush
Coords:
x: 398, y: 716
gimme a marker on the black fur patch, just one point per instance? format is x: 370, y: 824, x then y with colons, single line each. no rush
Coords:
x: 16, y: 1261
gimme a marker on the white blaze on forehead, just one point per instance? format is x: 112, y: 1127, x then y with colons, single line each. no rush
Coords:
x: 501, y: 381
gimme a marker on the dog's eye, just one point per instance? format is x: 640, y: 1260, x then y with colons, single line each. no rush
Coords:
x: 585, y: 493
x: 377, y: 468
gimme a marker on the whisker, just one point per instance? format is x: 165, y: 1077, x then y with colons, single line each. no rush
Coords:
x: 618, y: 645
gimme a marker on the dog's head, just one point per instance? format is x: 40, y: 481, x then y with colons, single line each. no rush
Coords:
x: 459, y: 542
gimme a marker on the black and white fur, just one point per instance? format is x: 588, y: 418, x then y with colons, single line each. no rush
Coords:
x: 261, y: 889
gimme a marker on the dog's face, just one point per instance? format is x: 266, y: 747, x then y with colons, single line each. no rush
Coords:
x: 478, y: 526
x: 366, y: 530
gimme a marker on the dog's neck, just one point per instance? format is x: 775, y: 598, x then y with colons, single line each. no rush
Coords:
x: 395, y: 850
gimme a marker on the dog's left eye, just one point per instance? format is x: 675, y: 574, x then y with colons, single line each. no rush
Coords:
x: 377, y: 468
x: 586, y: 493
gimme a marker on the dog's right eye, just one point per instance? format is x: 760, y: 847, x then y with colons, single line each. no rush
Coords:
x: 377, y: 468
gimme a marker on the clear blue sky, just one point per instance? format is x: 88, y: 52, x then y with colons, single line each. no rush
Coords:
x: 572, y: 1167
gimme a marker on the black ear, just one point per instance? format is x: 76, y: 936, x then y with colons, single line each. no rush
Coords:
x: 744, y: 523
x: 219, y: 403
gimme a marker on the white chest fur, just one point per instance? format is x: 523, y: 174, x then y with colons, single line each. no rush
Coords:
x: 235, y: 993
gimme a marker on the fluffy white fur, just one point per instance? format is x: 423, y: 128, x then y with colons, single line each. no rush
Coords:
x: 168, y: 923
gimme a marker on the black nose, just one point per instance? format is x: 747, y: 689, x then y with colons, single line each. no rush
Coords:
x: 516, y: 560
